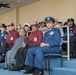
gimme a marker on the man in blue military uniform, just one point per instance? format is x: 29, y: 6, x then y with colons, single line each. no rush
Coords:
x: 71, y: 25
x: 35, y: 56
x: 3, y: 34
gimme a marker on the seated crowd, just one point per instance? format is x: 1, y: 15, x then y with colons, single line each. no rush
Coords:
x: 23, y: 49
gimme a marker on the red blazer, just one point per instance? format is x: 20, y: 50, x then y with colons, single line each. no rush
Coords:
x: 11, y: 38
x: 35, y: 38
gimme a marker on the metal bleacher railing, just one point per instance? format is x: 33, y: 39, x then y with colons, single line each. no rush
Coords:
x: 67, y: 41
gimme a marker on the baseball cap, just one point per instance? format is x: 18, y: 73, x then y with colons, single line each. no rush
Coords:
x: 26, y: 24
x: 11, y: 24
x: 70, y: 20
x: 3, y: 26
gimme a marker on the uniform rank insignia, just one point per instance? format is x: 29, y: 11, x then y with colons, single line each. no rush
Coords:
x: 51, y: 33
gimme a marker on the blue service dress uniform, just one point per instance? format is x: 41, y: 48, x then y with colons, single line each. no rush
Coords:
x: 3, y: 36
x: 71, y: 28
x: 35, y: 55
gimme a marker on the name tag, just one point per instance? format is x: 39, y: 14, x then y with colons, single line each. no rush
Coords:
x: 35, y: 39
x: 11, y: 38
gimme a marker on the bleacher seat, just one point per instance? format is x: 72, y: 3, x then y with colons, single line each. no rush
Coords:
x: 52, y: 55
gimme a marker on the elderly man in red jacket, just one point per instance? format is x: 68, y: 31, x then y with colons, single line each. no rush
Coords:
x: 10, y: 40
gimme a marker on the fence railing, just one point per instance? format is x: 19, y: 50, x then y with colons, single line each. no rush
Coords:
x: 67, y: 41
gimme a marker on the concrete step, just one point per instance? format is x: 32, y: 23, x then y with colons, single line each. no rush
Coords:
x: 70, y: 64
x: 54, y: 63
x: 64, y: 71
